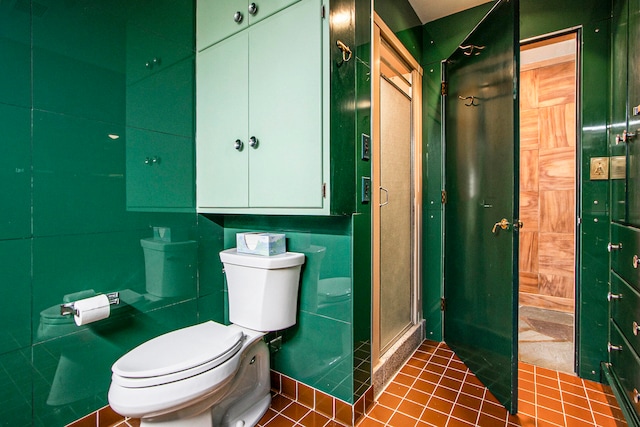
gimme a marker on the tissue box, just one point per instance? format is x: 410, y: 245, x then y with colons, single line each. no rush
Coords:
x: 260, y: 243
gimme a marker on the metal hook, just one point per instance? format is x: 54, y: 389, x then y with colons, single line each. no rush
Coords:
x: 471, y: 48
x: 471, y: 103
x: 346, y: 51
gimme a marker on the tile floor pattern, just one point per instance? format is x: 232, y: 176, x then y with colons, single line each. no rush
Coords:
x: 434, y: 388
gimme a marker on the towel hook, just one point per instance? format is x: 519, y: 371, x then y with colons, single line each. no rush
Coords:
x: 346, y: 51
x: 470, y: 49
x: 472, y: 101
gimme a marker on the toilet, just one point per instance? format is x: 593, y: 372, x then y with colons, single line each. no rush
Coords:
x: 211, y: 374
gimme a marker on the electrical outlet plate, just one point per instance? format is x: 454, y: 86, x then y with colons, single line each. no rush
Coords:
x: 366, y: 189
x: 365, y: 147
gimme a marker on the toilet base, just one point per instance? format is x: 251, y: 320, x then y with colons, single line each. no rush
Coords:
x: 244, y: 400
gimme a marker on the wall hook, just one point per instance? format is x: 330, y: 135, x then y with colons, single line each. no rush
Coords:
x: 472, y: 49
x: 471, y: 99
x: 346, y: 51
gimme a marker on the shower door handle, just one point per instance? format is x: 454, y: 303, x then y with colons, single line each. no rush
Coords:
x: 386, y: 192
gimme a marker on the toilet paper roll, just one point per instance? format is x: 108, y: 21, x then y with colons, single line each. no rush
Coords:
x: 91, y: 309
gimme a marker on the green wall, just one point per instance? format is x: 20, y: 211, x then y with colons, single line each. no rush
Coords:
x: 74, y: 73
x: 536, y: 18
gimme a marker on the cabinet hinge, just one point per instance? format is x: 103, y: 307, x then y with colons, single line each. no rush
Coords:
x: 443, y: 196
x: 444, y: 89
x: 324, y: 190
x: 443, y: 304
x: 323, y: 12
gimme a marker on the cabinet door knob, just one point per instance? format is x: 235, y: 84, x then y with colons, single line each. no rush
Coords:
x: 612, y: 296
x: 253, y: 8
x: 611, y: 347
x: 238, y: 145
x: 614, y: 247
x: 636, y: 328
x: 636, y: 261
x: 238, y: 17
x: 253, y: 142
x: 636, y: 396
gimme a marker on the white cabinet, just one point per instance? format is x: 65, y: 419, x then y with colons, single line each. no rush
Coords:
x: 263, y: 84
x: 219, y: 19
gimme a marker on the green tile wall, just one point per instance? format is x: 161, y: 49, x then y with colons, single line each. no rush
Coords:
x: 73, y: 74
x: 536, y: 18
x: 15, y: 166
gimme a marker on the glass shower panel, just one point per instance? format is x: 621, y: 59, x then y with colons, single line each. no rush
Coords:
x: 395, y: 213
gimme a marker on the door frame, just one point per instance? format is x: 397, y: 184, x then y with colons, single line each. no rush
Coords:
x: 577, y: 31
x: 380, y: 31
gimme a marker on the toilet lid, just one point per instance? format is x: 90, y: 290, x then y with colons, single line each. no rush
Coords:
x: 180, y: 350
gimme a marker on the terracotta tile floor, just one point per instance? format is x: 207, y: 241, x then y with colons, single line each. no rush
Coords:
x: 435, y: 388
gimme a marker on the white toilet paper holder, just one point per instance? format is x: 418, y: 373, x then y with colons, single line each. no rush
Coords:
x: 69, y: 308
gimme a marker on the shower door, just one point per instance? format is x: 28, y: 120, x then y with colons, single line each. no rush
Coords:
x: 396, y: 189
x: 480, y: 101
x: 395, y: 213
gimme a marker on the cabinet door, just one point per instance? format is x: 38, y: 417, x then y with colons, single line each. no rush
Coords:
x: 222, y: 114
x: 159, y: 34
x: 215, y: 20
x: 265, y: 8
x: 159, y: 170
x: 285, y: 74
x: 163, y: 102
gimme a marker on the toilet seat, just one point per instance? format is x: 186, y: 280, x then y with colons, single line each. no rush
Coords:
x: 177, y: 355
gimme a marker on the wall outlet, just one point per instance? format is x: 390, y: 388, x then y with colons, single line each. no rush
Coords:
x: 365, y: 147
x: 366, y: 189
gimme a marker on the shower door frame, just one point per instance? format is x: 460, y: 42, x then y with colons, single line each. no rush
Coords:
x: 382, y: 32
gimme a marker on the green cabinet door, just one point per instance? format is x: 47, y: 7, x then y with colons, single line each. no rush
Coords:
x: 222, y: 101
x: 481, y: 175
x: 159, y: 171
x: 285, y: 109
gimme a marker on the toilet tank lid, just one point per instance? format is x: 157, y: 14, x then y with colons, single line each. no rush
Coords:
x: 178, y: 350
x: 285, y: 260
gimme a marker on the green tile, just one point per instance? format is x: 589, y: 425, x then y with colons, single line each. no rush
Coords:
x: 15, y: 388
x: 15, y: 54
x: 78, y: 175
x: 211, y: 242
x: 15, y: 257
x: 79, y: 75
x: 70, y: 373
x: 15, y: 172
x: 66, y: 265
x: 432, y: 274
x: 318, y: 351
x: 164, y: 101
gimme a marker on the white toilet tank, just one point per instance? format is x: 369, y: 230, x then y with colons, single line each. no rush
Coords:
x: 263, y: 290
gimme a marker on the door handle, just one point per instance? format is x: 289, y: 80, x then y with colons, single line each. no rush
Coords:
x: 503, y: 223
x: 386, y: 192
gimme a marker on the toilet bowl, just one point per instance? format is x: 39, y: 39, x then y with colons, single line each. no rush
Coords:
x: 212, y: 374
